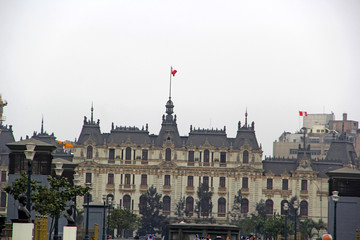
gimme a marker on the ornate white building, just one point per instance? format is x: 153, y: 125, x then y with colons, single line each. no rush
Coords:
x: 127, y: 161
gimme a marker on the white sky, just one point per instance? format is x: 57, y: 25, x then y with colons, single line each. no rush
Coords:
x: 272, y: 57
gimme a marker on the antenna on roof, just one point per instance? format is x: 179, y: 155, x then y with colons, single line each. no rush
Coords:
x: 42, y: 124
x: 246, y: 114
x: 92, y: 112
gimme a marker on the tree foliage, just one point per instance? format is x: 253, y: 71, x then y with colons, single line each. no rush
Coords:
x: 152, y: 221
x: 180, y: 208
x: 47, y: 200
x: 123, y: 219
x: 204, y: 204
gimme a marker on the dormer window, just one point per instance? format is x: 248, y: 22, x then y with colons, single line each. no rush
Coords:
x: 168, y: 154
x: 89, y: 152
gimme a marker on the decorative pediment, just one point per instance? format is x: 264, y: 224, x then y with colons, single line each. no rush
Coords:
x: 304, y: 165
x: 167, y: 164
x: 90, y: 141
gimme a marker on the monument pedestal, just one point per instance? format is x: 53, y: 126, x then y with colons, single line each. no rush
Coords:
x: 69, y: 233
x: 22, y: 231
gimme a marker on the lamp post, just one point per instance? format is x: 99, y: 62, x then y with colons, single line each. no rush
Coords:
x: 76, y: 182
x: 335, y: 198
x: 104, y: 213
x: 58, y: 171
x: 87, y: 214
x: 29, y: 155
x: 110, y: 202
x: 296, y: 206
x: 286, y: 208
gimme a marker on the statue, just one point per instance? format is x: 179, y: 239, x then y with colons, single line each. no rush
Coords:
x: 68, y: 216
x: 23, y: 213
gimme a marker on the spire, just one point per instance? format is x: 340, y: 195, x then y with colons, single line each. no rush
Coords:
x: 42, y: 124
x: 246, y: 115
x: 92, y: 113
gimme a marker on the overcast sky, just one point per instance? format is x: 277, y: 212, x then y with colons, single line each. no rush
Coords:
x: 272, y: 57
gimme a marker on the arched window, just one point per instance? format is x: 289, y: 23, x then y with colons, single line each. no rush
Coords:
x: 126, y: 202
x: 189, y: 206
x: 166, y: 204
x: 303, y: 208
x: 142, y: 203
x: 269, y: 206
x: 206, y: 156
x: 245, y: 157
x: 168, y: 154
x: 244, y: 205
x: 89, y: 152
x: 282, y: 207
x: 221, y: 207
x: 128, y: 153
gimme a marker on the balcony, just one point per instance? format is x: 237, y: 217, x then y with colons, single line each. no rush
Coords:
x: 143, y: 188
x: 166, y: 189
x: 189, y: 190
x: 127, y: 188
x: 190, y: 163
x: 222, y: 191
x: 110, y: 187
x: 304, y: 193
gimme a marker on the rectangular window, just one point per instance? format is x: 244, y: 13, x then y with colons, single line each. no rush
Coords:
x: 144, y: 155
x: 190, y: 181
x: 293, y: 151
x: 303, y: 185
x: 110, y: 178
x: 245, y: 182
x: 3, y: 200
x: 285, y: 184
x: 191, y: 156
x: 223, y: 157
x: 88, y: 178
x: 206, y: 180
x: 269, y: 183
x: 222, y: 182
x: 3, y: 176
x: 127, y: 179
x: 111, y: 155
x: 144, y: 179
x: 167, y: 180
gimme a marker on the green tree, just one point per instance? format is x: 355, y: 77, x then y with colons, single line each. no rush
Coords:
x: 48, y: 200
x: 123, y: 219
x: 306, y: 228
x: 320, y: 225
x: 152, y: 221
x: 204, y: 204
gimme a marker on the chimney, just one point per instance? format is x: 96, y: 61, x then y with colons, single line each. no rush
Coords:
x: 344, y: 116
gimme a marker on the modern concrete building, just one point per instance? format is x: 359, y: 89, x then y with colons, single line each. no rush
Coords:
x: 321, y: 129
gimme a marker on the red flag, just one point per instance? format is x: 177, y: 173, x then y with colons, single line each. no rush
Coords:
x: 302, y: 113
x: 173, y: 72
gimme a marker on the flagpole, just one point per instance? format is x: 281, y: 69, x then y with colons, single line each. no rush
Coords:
x: 170, y: 82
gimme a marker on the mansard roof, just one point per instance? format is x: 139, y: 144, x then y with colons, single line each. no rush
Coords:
x: 215, y: 137
x: 6, y: 136
x: 342, y: 151
x: 279, y: 166
x: 119, y: 135
x: 246, y: 135
x: 91, y: 131
x: 168, y: 134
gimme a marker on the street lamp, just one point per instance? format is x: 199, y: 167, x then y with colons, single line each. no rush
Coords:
x: 29, y: 155
x: 87, y: 213
x: 296, y: 206
x: 335, y: 198
x: 286, y: 208
x: 104, y: 217
x: 110, y: 202
x: 58, y: 171
x: 76, y: 182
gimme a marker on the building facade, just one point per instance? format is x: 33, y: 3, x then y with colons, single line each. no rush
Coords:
x: 127, y: 161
